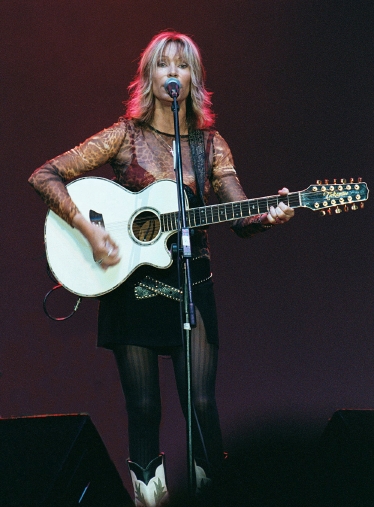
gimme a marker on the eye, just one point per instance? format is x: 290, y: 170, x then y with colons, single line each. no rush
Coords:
x: 161, y: 63
x: 183, y: 65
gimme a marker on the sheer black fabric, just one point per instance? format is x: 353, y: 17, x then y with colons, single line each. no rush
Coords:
x: 138, y: 368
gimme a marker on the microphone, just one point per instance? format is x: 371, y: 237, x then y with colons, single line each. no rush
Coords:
x: 172, y: 87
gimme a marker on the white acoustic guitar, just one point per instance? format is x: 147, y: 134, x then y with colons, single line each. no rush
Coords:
x: 140, y: 223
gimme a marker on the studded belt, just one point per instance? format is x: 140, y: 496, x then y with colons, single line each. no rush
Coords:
x: 149, y: 287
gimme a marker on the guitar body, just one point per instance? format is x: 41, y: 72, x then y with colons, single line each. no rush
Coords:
x: 131, y: 220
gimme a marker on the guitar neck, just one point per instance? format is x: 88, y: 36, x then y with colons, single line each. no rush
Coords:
x: 217, y: 213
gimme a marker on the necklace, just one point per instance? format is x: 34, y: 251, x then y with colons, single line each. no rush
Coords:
x: 166, y: 145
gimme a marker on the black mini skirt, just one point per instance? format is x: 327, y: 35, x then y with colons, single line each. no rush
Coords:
x: 155, y: 321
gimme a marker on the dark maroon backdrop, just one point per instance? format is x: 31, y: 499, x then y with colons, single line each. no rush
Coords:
x: 292, y: 86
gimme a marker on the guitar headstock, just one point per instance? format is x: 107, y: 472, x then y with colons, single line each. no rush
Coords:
x: 343, y: 196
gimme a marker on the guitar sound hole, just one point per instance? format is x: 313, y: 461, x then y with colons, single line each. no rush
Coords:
x: 146, y: 226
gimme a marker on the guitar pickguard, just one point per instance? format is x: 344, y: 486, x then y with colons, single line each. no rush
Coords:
x: 96, y: 218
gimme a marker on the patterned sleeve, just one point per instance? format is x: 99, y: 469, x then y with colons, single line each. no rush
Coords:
x: 49, y: 179
x: 227, y: 187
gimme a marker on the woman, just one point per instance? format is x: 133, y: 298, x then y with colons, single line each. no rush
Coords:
x: 137, y: 323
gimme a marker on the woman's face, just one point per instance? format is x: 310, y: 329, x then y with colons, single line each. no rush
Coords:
x: 171, y: 64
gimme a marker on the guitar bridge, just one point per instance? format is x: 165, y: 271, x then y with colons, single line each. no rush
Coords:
x: 96, y: 218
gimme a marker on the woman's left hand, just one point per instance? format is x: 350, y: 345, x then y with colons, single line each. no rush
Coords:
x: 279, y: 215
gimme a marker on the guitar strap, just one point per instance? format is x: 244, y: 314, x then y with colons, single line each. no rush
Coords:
x: 200, y: 158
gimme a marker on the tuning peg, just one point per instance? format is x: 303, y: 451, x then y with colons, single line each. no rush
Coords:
x: 319, y: 182
x: 362, y: 205
x: 346, y: 208
x: 322, y: 213
x: 359, y: 180
x: 334, y: 181
x: 354, y: 207
x: 351, y: 180
x: 343, y: 181
x: 338, y: 210
x: 329, y: 211
x: 326, y: 182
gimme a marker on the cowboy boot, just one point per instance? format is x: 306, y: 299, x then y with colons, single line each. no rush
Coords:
x: 203, y: 481
x: 209, y: 483
x: 149, y: 483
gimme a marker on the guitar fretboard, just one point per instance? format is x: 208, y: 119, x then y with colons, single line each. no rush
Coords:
x: 208, y: 215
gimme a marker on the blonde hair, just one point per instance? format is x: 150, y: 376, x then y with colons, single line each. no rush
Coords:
x: 140, y: 106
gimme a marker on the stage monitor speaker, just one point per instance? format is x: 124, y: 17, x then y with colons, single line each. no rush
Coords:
x: 57, y: 461
x: 347, y: 459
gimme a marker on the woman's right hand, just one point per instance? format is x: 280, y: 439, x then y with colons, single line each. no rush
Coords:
x: 105, y: 251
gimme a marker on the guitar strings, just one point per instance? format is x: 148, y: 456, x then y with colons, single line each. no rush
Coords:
x: 271, y: 200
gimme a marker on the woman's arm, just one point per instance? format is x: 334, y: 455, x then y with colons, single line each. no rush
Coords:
x: 49, y: 182
x: 227, y: 187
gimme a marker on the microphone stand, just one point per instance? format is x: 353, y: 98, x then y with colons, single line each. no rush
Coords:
x: 184, y: 256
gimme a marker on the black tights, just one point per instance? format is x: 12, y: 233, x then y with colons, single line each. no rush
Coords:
x: 138, y: 368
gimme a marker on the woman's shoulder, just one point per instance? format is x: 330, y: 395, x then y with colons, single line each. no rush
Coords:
x: 129, y: 124
x: 219, y: 141
x: 213, y: 134
x: 122, y: 124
